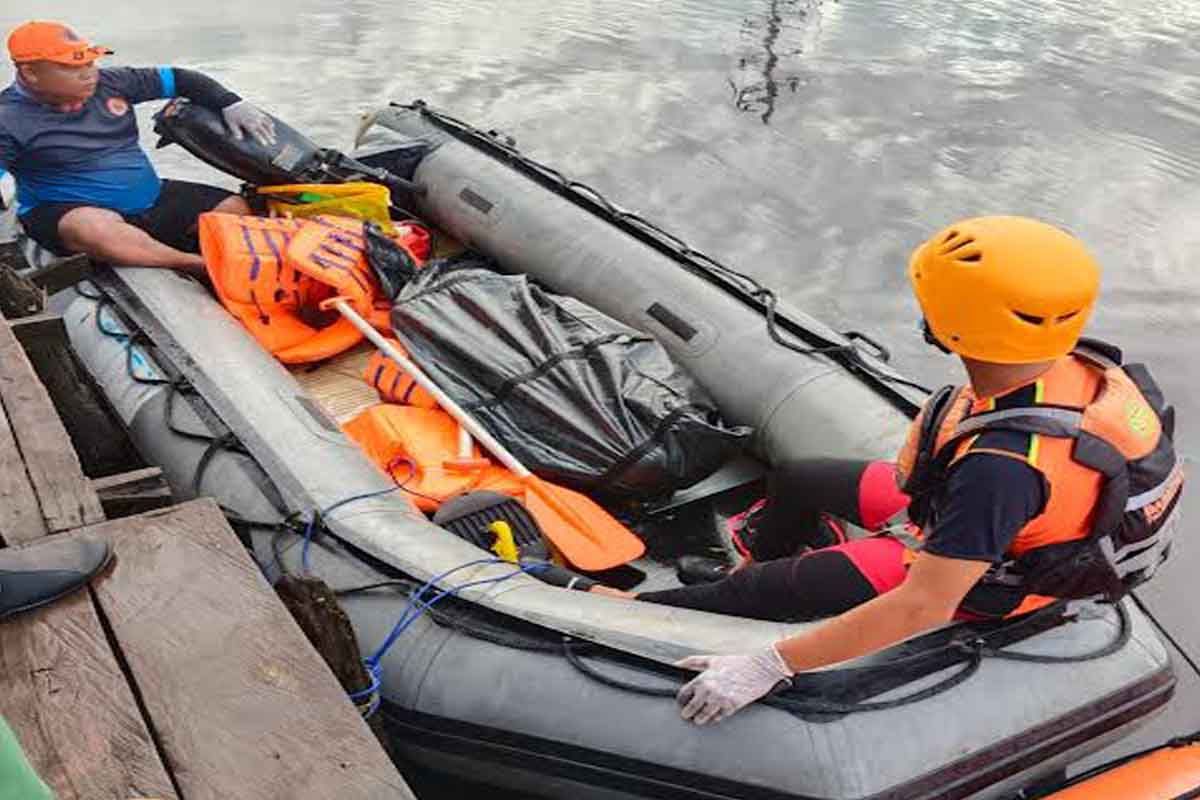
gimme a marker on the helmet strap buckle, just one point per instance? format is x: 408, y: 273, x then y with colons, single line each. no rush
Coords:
x: 927, y: 332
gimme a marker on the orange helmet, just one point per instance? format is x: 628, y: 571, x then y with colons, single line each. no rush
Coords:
x: 1009, y: 290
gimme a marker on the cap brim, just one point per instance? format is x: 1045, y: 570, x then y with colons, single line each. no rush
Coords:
x: 81, y: 56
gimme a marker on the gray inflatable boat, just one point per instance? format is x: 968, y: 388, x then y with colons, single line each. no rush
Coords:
x: 558, y: 693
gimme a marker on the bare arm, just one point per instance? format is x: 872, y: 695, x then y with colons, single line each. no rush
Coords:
x: 928, y: 597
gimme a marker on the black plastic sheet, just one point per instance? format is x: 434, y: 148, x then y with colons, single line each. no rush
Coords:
x: 578, y: 397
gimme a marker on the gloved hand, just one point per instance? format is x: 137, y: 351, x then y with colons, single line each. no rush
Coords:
x: 728, y: 684
x: 244, y: 118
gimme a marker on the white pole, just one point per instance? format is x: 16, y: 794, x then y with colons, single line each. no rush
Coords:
x: 469, y: 425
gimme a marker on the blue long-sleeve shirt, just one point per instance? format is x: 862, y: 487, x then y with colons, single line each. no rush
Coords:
x: 89, y: 156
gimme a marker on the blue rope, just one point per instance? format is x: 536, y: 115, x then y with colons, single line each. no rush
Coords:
x: 318, y: 515
x: 417, y: 605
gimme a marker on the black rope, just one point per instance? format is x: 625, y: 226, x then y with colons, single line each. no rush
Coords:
x: 225, y: 441
x: 974, y: 650
x: 1124, y: 631
x: 695, y: 259
x: 398, y: 583
x: 795, y: 705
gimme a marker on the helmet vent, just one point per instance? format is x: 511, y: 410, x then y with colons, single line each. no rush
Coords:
x: 1030, y: 318
x: 959, y: 248
x: 1064, y: 317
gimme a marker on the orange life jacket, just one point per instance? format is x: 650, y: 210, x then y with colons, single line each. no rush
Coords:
x: 273, y: 273
x: 333, y: 250
x: 1100, y: 434
x: 275, y: 302
x: 418, y: 448
x: 394, y: 384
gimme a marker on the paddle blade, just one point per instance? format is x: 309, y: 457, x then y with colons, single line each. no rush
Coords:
x: 585, y: 534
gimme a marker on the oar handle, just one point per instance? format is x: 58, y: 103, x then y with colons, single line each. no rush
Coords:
x: 481, y: 434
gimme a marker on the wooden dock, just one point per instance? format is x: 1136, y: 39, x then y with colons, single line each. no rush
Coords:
x: 179, y: 673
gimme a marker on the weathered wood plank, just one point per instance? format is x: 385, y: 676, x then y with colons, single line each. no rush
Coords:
x: 19, y: 296
x: 63, y: 273
x: 96, y: 430
x: 39, y: 328
x: 123, y: 481
x: 242, y: 705
x: 20, y: 516
x: 67, y: 700
x: 66, y: 498
x: 133, y: 492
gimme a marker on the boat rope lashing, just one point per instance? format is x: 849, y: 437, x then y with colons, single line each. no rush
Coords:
x: 223, y: 440
x: 971, y: 652
x: 849, y: 351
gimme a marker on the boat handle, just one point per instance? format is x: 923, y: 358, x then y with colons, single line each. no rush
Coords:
x: 881, y: 353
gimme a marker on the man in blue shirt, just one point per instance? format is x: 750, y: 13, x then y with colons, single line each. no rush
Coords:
x: 69, y: 136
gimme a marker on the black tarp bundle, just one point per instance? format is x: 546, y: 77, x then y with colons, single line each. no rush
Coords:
x: 579, y: 398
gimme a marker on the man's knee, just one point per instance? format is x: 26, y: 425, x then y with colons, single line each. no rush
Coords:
x: 234, y: 204
x: 85, y: 228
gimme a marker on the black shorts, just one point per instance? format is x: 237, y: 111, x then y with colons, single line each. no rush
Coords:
x: 171, y: 220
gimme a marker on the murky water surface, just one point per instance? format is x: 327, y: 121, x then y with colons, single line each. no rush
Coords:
x: 810, y: 143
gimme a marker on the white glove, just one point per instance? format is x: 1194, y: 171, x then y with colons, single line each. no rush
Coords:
x: 728, y: 684
x: 244, y: 118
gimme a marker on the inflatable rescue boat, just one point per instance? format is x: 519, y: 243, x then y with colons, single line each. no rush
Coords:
x: 558, y: 693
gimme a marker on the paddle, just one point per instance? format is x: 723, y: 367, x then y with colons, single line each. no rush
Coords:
x: 585, y: 534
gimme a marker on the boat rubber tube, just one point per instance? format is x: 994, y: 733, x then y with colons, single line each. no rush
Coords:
x: 801, y: 405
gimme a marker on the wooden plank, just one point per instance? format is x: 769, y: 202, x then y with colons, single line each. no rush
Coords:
x: 39, y: 328
x: 62, y: 274
x: 20, y: 516
x: 67, y: 700
x: 64, y: 494
x: 132, y: 492
x: 95, y: 429
x: 19, y: 296
x: 138, y: 478
x: 242, y: 705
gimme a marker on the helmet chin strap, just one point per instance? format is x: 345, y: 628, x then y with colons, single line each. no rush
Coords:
x: 927, y: 332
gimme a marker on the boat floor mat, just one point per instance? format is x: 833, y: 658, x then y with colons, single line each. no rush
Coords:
x: 469, y: 515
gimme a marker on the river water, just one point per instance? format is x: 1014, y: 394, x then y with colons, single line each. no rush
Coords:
x: 812, y: 143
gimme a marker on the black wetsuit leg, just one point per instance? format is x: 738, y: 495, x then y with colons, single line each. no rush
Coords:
x: 822, y: 583
x: 797, y: 493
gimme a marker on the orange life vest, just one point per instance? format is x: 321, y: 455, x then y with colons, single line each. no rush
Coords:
x: 418, y: 448
x: 1100, y: 434
x: 275, y: 302
x: 273, y: 273
x: 394, y: 384
x: 333, y: 250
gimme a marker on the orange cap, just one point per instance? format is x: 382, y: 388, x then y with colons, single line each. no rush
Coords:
x: 51, y: 41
